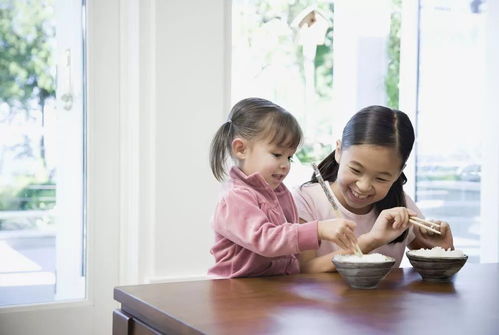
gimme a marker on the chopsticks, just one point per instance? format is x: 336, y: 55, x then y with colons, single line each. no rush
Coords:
x: 327, y: 190
x: 425, y: 224
x: 329, y: 195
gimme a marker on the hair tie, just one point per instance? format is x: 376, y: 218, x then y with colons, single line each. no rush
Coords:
x: 229, y: 120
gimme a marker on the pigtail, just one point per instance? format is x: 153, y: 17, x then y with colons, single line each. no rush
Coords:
x: 219, y: 148
x: 328, y: 168
x: 395, y: 196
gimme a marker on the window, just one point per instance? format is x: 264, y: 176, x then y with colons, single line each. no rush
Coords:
x: 282, y: 51
x: 449, y: 123
x: 310, y: 57
x: 42, y: 165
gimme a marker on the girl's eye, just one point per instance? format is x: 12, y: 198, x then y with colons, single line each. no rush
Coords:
x: 276, y: 155
x: 381, y: 180
x: 354, y: 170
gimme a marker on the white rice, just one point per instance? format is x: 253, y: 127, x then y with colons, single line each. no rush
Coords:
x: 437, y: 252
x: 367, y: 258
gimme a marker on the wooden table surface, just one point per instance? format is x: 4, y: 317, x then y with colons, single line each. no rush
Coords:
x: 320, y: 304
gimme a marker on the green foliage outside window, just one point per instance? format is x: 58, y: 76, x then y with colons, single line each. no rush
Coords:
x: 26, y: 57
x: 27, y: 194
x: 393, y: 71
x: 27, y: 83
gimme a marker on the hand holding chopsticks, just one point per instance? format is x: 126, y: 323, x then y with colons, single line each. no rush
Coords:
x: 428, y: 225
x: 329, y: 194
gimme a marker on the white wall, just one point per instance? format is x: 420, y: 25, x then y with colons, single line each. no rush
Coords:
x: 182, y: 101
x: 189, y: 108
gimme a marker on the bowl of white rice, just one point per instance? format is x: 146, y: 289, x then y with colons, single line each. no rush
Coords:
x: 437, y: 264
x: 364, y: 271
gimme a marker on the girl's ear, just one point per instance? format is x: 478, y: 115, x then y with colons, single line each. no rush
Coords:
x: 239, y: 147
x: 337, y: 152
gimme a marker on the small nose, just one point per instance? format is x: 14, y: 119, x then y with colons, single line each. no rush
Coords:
x: 364, y: 184
x: 285, y: 164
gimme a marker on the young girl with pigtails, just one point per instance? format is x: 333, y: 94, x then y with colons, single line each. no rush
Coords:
x: 256, y: 221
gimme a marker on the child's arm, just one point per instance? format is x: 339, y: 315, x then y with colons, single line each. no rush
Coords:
x: 311, y: 263
x: 389, y: 225
x: 339, y: 231
x: 427, y: 239
x: 240, y: 218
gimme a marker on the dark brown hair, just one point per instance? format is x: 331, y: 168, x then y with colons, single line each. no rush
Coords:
x: 253, y: 119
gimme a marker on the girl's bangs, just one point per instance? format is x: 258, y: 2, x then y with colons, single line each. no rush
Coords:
x: 283, y: 130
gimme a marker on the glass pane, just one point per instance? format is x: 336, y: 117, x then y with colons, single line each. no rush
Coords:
x: 448, y: 121
x: 288, y: 52
x: 275, y: 57
x: 41, y: 152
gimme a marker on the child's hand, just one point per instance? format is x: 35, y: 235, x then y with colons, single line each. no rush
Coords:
x: 390, y: 224
x: 339, y: 231
x: 428, y: 239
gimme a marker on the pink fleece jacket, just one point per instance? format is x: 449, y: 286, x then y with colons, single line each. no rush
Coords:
x: 256, y: 229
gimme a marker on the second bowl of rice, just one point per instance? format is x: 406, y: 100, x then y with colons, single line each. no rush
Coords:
x: 437, y: 264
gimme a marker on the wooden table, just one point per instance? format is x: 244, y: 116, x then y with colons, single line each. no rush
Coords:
x: 314, y: 304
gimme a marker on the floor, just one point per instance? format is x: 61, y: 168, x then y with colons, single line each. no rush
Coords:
x: 27, y: 268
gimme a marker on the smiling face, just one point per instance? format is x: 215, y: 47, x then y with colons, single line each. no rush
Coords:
x: 366, y: 173
x: 270, y: 161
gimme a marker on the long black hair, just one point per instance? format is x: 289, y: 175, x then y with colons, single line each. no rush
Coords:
x: 382, y: 126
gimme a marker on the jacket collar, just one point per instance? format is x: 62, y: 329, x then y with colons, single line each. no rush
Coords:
x: 254, y: 180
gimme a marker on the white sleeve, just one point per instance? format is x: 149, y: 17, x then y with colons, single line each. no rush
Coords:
x: 304, y: 204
